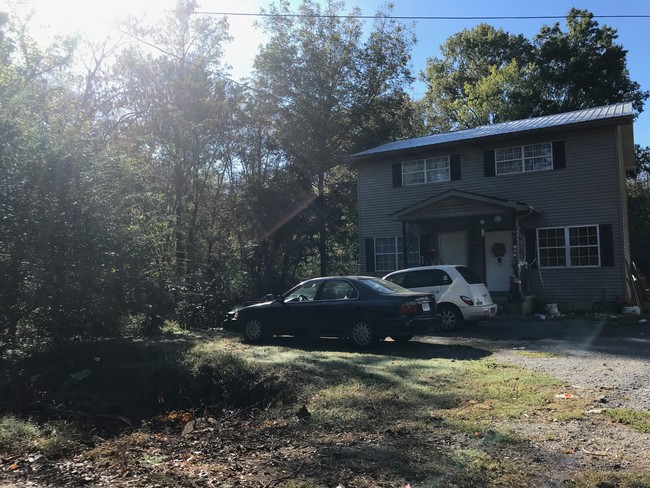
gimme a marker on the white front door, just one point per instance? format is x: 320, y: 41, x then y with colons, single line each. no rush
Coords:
x: 453, y: 248
x: 498, y: 269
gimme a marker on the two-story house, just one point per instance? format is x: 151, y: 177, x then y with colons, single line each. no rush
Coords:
x: 542, y: 200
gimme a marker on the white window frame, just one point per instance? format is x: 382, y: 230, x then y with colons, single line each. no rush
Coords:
x: 429, y: 170
x: 570, y: 246
x: 523, y: 159
x: 398, y: 252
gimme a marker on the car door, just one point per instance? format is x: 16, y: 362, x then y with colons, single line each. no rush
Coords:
x: 336, y: 305
x: 297, y: 312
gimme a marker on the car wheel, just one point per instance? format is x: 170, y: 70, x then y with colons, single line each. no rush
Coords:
x: 253, y: 331
x: 451, y: 317
x: 402, y: 338
x: 363, y: 335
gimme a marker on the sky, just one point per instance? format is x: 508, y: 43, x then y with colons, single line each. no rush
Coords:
x: 90, y: 16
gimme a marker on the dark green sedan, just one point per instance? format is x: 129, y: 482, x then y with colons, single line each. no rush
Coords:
x: 362, y: 309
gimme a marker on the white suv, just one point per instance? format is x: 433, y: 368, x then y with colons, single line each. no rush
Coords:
x: 462, y: 297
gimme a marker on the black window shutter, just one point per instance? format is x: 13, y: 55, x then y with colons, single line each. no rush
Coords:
x: 531, y: 247
x: 559, y: 159
x: 397, y: 175
x: 454, y: 166
x: 370, y: 254
x: 488, y: 163
x: 606, y: 245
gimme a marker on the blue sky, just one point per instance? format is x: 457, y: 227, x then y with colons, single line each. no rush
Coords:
x: 633, y: 33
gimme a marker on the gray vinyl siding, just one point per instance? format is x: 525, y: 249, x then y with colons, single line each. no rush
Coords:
x: 586, y: 192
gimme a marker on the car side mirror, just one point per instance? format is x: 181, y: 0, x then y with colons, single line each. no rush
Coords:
x: 268, y: 297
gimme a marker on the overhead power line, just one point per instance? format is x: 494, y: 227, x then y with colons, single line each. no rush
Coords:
x: 422, y: 17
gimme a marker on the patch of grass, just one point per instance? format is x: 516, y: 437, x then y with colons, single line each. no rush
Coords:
x: 421, y: 413
x: 608, y: 479
x: 639, y: 421
x: 54, y: 439
x: 538, y: 354
x: 17, y: 434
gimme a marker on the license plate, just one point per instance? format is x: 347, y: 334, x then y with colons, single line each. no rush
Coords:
x: 426, y: 307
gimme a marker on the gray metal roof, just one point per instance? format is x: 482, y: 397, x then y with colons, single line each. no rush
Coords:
x: 515, y: 126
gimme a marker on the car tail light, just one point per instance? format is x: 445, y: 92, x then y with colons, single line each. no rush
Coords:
x: 409, y: 308
x: 467, y: 300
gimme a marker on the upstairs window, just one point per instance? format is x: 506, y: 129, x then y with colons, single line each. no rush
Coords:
x: 522, y: 159
x: 431, y: 170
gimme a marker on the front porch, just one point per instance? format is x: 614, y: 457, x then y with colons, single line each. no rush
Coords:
x: 487, y: 234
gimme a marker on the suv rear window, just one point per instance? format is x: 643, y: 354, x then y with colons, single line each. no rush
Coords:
x: 469, y: 275
x: 421, y: 278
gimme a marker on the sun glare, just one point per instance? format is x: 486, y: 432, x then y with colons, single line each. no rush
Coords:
x: 90, y: 17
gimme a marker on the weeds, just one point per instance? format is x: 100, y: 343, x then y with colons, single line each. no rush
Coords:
x: 639, y: 421
x: 54, y: 439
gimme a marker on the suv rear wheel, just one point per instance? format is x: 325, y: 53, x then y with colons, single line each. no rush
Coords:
x: 452, y: 319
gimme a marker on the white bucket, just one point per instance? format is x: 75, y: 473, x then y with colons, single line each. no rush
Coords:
x: 551, y: 309
x: 632, y: 310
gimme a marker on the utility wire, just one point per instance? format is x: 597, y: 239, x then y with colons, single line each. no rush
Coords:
x: 420, y: 17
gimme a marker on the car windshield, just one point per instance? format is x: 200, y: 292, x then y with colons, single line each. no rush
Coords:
x: 382, y: 286
x: 469, y: 275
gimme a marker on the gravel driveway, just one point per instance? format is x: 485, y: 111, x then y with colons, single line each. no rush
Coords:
x: 606, y: 359
x: 605, y: 362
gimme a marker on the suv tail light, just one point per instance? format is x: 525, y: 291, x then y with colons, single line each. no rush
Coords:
x: 409, y: 308
x: 467, y: 300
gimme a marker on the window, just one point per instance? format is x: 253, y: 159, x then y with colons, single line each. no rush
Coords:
x: 427, y: 278
x: 389, y: 252
x: 303, y: 292
x: 569, y: 246
x: 426, y: 171
x: 338, y: 290
x: 519, y: 159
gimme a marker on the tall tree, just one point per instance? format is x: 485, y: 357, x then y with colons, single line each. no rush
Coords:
x: 583, y: 67
x: 480, y: 70
x: 488, y: 75
x: 59, y: 269
x: 331, y: 87
x: 176, y: 109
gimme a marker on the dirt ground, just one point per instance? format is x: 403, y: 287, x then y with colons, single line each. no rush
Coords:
x: 607, y: 364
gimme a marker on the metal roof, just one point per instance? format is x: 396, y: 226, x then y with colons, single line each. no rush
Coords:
x: 548, y: 121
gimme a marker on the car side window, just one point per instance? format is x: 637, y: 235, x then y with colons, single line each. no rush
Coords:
x: 419, y: 279
x: 422, y: 278
x: 338, y: 290
x: 305, y: 292
x: 440, y: 278
x: 399, y: 279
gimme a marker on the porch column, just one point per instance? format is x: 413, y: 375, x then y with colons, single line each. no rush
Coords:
x: 405, y: 255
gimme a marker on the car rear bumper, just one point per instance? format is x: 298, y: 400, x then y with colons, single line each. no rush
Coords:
x: 479, y: 312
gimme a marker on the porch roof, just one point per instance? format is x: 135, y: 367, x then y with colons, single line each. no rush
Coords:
x: 456, y: 203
